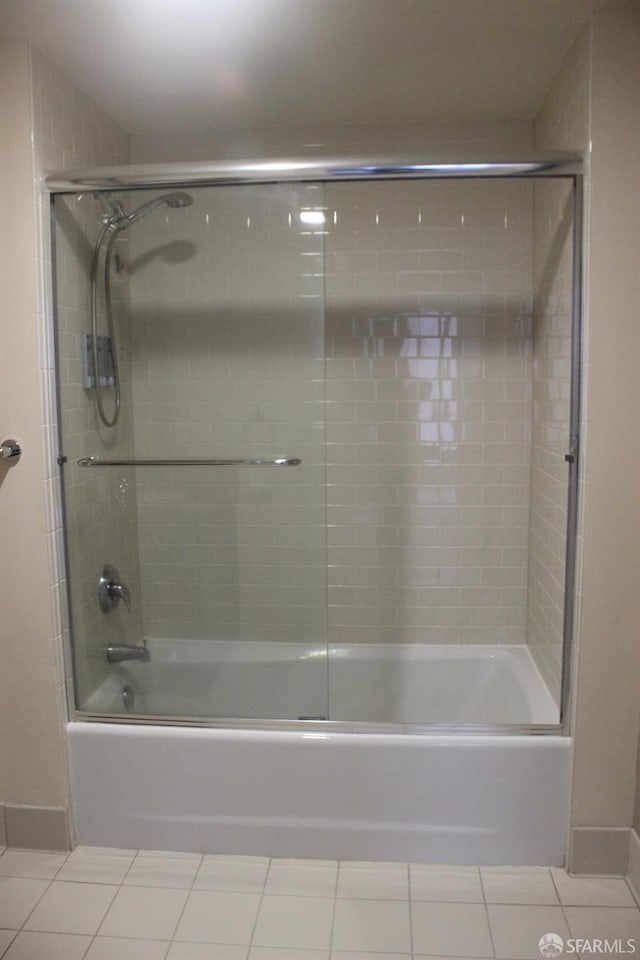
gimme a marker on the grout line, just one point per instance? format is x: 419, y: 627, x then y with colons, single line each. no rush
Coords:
x: 184, y: 905
x: 64, y: 862
x: 255, y: 922
x: 90, y: 944
x: 15, y: 934
x: 485, y: 904
x: 333, y: 911
x: 126, y: 873
x: 36, y: 904
x: 410, y: 910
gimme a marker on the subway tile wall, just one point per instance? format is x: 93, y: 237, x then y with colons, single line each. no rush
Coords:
x: 562, y: 124
x: 69, y: 129
x: 227, y: 322
x: 553, y: 219
x: 428, y: 372
x: 429, y: 410
x: 101, y: 507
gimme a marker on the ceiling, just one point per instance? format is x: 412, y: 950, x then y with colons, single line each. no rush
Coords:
x: 180, y: 64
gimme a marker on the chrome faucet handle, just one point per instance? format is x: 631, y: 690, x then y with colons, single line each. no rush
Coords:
x: 111, y: 590
x: 122, y: 593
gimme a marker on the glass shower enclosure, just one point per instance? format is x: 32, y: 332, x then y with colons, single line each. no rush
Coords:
x: 318, y: 441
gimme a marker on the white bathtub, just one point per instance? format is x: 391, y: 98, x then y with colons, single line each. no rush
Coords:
x: 375, y: 683
x: 316, y: 792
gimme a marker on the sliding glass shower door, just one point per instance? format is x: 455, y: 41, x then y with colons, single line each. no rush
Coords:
x: 196, y: 521
x: 320, y: 447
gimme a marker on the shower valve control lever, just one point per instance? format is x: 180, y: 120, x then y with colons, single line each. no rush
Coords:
x: 111, y: 590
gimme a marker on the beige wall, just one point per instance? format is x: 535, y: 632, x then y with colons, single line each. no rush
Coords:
x: 431, y: 138
x: 608, y: 688
x: 594, y: 103
x: 46, y: 123
x: 31, y: 751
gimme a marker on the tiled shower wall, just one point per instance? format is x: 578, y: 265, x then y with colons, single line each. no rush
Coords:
x: 428, y: 365
x: 553, y: 281
x: 563, y: 124
x: 69, y: 130
x: 429, y: 410
x: 227, y: 320
x: 101, y: 510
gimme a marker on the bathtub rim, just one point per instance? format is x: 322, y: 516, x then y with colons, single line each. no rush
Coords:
x: 327, y: 727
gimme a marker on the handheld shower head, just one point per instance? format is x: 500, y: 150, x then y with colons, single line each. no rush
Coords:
x: 178, y: 199
x: 109, y: 232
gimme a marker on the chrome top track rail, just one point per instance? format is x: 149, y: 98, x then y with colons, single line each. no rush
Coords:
x: 248, y: 462
x: 300, y: 170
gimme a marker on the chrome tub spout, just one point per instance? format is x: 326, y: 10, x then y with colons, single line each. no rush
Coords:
x: 119, y: 652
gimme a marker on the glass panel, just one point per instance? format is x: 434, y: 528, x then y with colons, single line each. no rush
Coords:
x: 218, y: 318
x: 447, y: 427
x: 422, y: 536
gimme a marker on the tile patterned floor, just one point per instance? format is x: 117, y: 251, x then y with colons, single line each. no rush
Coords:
x: 99, y: 904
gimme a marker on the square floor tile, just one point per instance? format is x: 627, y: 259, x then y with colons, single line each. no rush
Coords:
x: 529, y: 886
x: 303, y: 878
x: 47, y: 946
x: 31, y: 863
x: 372, y: 925
x: 606, y: 923
x: 18, y: 897
x: 303, y: 922
x: 117, y: 948
x: 145, y: 912
x: 461, y: 884
x: 71, y: 907
x: 157, y: 869
x: 517, y: 930
x: 592, y: 891
x: 232, y: 874
x: 206, y: 951
x: 451, y: 929
x: 373, y: 881
x: 96, y: 865
x: 217, y: 917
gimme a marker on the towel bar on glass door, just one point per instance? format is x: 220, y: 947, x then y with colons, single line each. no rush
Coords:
x: 249, y: 462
